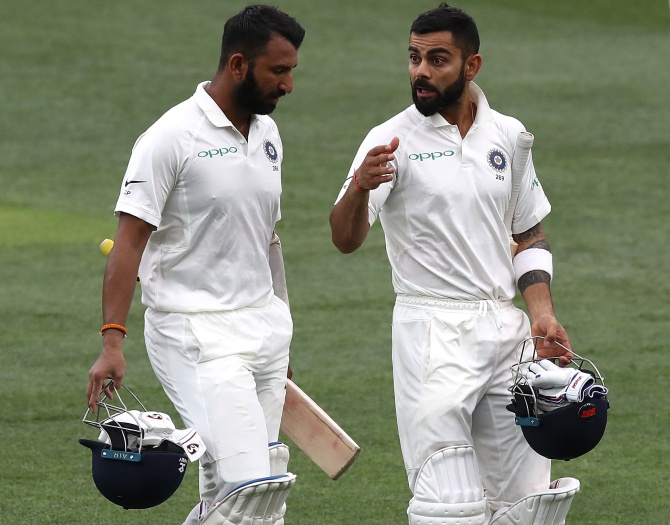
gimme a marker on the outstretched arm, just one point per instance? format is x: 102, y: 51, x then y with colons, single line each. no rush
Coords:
x: 349, y: 217
x: 533, y: 271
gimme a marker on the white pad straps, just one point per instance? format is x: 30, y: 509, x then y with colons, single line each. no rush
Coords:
x: 542, y: 508
x: 258, y: 502
x: 448, y: 490
x: 279, y: 456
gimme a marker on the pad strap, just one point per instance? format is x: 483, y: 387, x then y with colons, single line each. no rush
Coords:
x: 257, y: 502
x: 543, y: 508
x: 279, y: 456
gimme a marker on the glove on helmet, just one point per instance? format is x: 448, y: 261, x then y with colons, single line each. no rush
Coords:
x: 562, y: 412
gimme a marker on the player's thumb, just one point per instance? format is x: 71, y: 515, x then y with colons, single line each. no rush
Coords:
x: 395, y: 142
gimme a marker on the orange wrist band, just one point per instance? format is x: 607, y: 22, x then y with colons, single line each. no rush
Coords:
x: 110, y: 326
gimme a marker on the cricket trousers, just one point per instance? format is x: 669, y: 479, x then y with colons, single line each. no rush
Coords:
x: 225, y: 373
x: 451, y: 369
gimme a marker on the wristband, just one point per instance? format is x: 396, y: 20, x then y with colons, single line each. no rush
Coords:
x: 532, y: 259
x: 111, y: 326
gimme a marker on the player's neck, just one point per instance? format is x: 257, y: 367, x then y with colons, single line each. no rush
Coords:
x: 462, y: 114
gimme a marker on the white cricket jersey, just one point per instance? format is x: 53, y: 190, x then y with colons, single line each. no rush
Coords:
x: 214, y: 199
x: 443, y: 213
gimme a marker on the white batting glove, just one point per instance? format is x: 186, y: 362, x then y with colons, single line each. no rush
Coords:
x: 559, y: 386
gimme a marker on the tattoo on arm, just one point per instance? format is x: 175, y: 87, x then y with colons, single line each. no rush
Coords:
x: 535, y: 236
x: 533, y: 277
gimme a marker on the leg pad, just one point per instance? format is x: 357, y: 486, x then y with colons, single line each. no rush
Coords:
x: 448, y: 490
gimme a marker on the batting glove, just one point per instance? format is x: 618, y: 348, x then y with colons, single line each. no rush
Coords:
x: 556, y: 386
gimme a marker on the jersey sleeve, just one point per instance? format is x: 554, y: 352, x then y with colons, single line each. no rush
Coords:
x: 152, y: 172
x: 532, y: 205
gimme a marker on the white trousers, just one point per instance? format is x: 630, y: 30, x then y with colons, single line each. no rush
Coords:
x: 451, y: 369
x: 225, y: 373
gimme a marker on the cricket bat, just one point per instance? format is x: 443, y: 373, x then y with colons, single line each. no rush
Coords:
x: 306, y: 424
x: 316, y: 433
x: 524, y: 143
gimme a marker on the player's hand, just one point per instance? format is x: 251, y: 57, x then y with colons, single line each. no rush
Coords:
x: 548, y: 327
x: 375, y: 170
x: 110, y: 365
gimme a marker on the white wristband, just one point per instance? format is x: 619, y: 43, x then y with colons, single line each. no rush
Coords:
x: 532, y: 259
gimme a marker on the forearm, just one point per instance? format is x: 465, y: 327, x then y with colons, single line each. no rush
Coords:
x: 533, y: 269
x: 349, y: 219
x: 118, y: 289
x: 120, y: 280
x: 534, y: 288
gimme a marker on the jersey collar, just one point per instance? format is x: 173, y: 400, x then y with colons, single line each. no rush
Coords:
x: 211, y: 109
x: 483, y: 115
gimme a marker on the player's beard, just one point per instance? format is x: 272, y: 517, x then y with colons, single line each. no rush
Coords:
x: 442, y: 100
x: 248, y: 95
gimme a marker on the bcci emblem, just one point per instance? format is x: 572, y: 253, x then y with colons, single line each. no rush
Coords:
x: 497, y: 160
x: 270, y: 151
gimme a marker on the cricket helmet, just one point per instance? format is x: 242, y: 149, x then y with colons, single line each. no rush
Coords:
x: 138, y: 462
x: 555, y: 426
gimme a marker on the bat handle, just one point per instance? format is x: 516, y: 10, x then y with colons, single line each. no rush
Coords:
x: 525, y: 139
x: 524, y: 143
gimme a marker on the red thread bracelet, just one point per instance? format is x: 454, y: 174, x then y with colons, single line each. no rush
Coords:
x: 356, y: 185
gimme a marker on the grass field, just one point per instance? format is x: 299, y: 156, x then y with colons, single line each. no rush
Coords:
x: 80, y: 80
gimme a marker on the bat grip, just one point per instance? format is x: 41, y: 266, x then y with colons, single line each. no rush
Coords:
x: 525, y: 139
x: 524, y: 142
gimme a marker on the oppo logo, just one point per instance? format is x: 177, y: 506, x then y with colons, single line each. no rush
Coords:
x: 217, y: 152
x: 431, y: 156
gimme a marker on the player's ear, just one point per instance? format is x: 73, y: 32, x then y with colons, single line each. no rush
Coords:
x: 238, y: 65
x: 472, y: 65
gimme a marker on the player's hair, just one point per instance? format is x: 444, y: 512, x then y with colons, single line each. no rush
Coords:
x: 446, y: 18
x: 249, y: 31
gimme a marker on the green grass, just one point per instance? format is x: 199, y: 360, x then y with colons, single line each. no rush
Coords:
x: 80, y: 80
